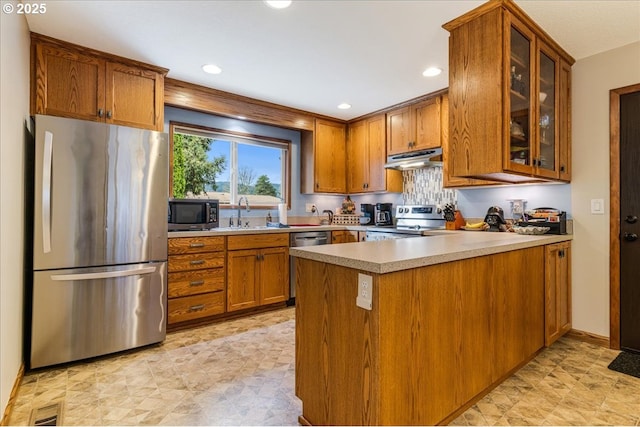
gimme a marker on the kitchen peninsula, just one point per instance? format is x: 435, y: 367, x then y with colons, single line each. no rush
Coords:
x: 451, y: 316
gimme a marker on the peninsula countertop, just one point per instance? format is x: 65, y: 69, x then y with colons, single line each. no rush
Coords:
x: 386, y: 256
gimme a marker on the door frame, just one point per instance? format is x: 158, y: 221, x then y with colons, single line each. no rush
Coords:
x: 614, y: 210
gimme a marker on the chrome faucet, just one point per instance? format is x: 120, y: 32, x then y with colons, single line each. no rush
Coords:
x: 246, y: 203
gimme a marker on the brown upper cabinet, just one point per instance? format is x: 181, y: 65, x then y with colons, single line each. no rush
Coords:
x: 366, y: 156
x: 448, y: 180
x: 323, y: 158
x: 414, y: 127
x: 509, y: 97
x: 76, y: 82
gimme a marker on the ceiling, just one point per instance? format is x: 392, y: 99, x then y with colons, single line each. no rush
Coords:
x: 315, y: 54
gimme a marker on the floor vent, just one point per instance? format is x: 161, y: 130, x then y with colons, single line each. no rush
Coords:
x: 50, y: 415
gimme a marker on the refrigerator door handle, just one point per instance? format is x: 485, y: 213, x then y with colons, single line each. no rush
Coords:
x: 46, y: 192
x: 104, y: 274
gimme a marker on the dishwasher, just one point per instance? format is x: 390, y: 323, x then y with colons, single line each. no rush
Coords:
x: 296, y: 240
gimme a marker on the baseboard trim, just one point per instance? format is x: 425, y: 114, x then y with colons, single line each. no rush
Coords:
x: 589, y: 337
x: 12, y: 397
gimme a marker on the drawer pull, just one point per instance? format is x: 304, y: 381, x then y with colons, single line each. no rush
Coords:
x: 198, y: 307
x: 197, y: 283
x: 197, y: 262
x: 196, y: 245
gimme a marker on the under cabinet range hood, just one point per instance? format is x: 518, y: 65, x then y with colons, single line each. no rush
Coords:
x: 415, y: 160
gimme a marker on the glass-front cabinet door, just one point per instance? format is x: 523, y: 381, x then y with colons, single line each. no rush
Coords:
x: 546, y: 159
x: 519, y: 157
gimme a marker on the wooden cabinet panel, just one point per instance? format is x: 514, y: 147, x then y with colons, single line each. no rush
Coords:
x: 415, y: 127
x: 78, y: 82
x: 323, y: 158
x: 344, y: 236
x: 357, y: 157
x: 259, y: 274
x: 448, y: 180
x: 256, y: 241
x: 185, y: 283
x: 274, y: 275
x: 242, y: 284
x: 194, y: 307
x: 380, y: 179
x: 557, y: 291
x: 398, y: 133
x: 195, y: 261
x: 192, y: 245
x: 426, y: 116
x: 68, y: 83
x: 135, y: 97
x: 366, y: 156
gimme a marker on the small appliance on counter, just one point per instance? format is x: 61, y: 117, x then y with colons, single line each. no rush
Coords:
x: 555, y: 219
x: 368, y: 211
x: 382, y: 214
x: 193, y: 214
x: 495, y: 219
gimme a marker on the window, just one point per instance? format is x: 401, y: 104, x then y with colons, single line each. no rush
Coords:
x: 225, y: 165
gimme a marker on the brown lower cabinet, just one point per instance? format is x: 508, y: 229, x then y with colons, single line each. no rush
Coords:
x: 557, y: 291
x: 196, y: 276
x: 258, y: 270
x: 345, y: 236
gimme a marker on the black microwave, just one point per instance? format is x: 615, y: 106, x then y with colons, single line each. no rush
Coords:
x: 193, y: 214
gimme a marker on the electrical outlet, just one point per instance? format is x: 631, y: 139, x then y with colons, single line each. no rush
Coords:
x: 310, y: 207
x: 365, y: 291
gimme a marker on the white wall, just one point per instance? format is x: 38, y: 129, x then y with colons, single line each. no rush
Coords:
x: 14, y: 113
x: 593, y: 78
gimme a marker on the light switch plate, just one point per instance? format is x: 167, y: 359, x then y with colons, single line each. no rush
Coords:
x: 365, y: 291
x: 597, y: 206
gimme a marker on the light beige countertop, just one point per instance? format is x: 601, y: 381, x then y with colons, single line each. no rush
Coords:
x: 227, y: 231
x: 386, y: 256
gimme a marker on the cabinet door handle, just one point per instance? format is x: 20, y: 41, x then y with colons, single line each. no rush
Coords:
x: 109, y: 115
x: 197, y: 262
x: 100, y: 112
x: 631, y: 219
x: 196, y: 283
x: 562, y: 168
x: 198, y: 307
x: 196, y: 245
x: 630, y: 237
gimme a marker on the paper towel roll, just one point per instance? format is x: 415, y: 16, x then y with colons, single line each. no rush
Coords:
x: 282, y: 213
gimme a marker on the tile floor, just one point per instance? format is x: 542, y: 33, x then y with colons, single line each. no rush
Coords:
x: 241, y: 372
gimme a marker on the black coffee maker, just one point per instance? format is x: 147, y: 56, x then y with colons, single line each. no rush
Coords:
x: 382, y: 215
x: 495, y: 219
x: 368, y: 212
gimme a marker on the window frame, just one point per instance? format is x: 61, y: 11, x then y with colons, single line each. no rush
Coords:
x: 204, y: 130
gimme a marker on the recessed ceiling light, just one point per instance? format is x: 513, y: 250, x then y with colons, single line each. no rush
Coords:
x: 432, y: 71
x: 211, y: 69
x: 278, y: 4
x: 344, y: 106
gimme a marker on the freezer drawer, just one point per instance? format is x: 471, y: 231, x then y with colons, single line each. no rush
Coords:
x: 87, y: 312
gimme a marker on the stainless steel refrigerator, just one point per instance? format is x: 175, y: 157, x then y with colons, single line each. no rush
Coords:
x: 99, y: 281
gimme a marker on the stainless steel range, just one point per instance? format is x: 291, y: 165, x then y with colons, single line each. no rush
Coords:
x: 411, y: 221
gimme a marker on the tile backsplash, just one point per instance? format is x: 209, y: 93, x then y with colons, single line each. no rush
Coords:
x: 424, y: 187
